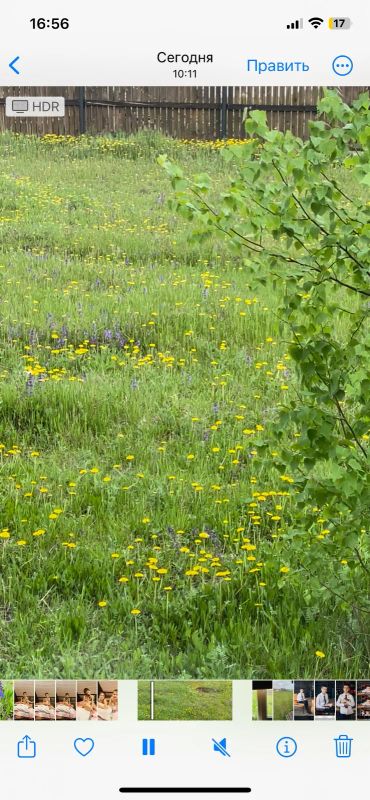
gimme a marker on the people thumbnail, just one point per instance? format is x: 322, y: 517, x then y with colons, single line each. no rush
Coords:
x: 86, y: 700
x: 304, y: 702
x: 65, y: 706
x: 325, y: 699
x: 363, y: 700
x: 24, y: 700
x: 346, y: 700
x: 107, y: 704
x: 45, y: 700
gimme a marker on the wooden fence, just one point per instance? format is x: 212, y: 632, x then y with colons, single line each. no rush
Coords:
x: 185, y: 112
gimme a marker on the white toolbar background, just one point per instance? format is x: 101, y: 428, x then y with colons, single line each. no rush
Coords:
x: 184, y: 756
x: 116, y: 43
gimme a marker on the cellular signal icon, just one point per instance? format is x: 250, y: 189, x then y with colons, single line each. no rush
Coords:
x: 295, y: 25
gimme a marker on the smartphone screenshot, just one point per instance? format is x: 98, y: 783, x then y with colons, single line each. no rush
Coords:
x: 184, y: 400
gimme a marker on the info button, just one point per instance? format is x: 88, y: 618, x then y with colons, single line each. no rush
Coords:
x: 35, y: 106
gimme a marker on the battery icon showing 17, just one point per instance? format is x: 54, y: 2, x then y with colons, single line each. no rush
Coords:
x: 339, y: 23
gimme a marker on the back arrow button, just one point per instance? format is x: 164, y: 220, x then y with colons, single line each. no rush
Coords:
x: 12, y: 63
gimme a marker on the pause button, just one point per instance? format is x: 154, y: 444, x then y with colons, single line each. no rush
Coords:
x: 148, y: 747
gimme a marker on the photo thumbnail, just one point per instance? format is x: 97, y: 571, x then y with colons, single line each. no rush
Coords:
x: 6, y: 700
x: 45, y: 700
x: 346, y: 700
x: 24, y: 700
x: 363, y: 700
x: 184, y: 700
x: 66, y: 699
x: 282, y: 699
x: 304, y: 700
x: 86, y: 700
x: 325, y: 699
x: 262, y: 700
x: 107, y: 703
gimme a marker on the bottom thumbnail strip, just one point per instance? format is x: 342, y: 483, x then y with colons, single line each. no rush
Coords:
x: 300, y: 700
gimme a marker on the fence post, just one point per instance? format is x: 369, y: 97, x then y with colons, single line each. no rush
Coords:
x: 82, y: 109
x: 224, y: 112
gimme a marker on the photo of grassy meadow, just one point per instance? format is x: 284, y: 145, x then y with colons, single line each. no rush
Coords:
x: 185, y: 700
x: 282, y: 693
x: 139, y: 530
x: 6, y: 700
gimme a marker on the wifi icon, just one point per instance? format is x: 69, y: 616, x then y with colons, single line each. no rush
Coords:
x: 316, y: 22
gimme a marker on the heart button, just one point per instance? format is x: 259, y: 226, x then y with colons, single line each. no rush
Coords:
x: 84, y: 746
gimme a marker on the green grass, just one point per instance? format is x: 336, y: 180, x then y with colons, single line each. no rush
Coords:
x: 6, y: 702
x: 283, y: 704
x: 186, y: 700
x: 137, y: 373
